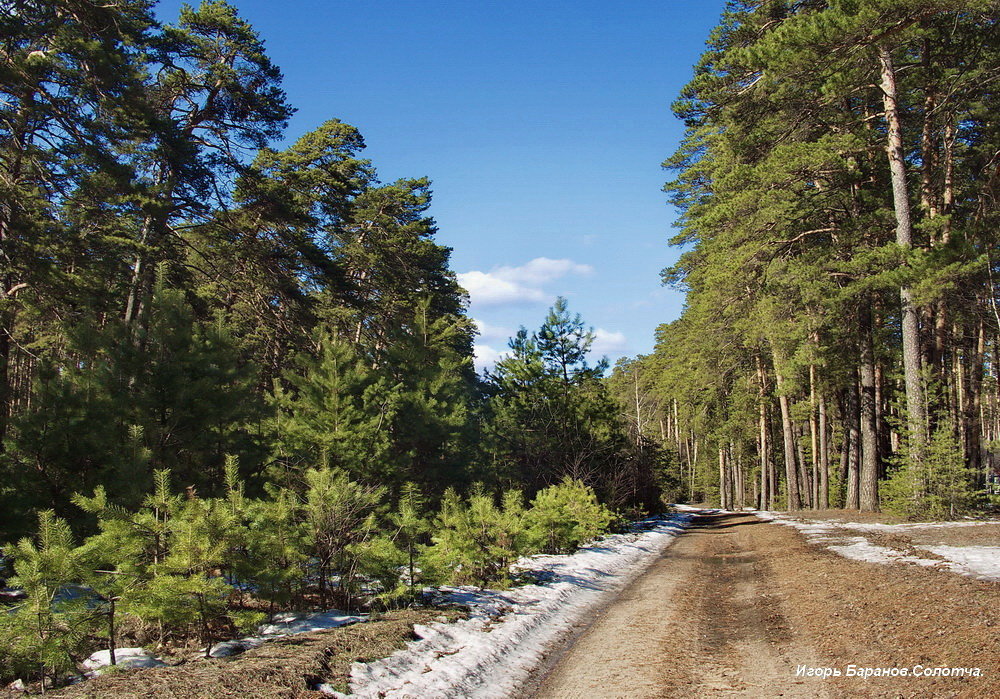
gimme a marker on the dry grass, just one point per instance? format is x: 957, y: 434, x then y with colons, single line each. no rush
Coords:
x: 288, y: 667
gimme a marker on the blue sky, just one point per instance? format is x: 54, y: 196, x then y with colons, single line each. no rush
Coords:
x: 541, y: 124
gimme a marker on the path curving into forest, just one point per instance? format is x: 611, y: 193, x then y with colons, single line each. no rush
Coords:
x: 737, y: 604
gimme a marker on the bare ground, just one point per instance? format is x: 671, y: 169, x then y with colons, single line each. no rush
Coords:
x: 735, y: 605
x: 288, y: 667
x: 960, y: 533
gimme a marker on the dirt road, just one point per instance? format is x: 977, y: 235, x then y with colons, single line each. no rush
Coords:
x: 736, y: 605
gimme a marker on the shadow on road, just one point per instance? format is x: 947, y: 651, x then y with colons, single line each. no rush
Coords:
x: 722, y: 520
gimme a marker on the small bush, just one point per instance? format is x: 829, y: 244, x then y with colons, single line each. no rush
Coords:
x: 565, y: 515
x: 475, y: 542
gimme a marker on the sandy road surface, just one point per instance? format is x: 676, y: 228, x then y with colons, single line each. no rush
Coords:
x: 736, y: 604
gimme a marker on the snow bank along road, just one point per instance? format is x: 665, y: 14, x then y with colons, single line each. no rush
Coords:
x: 742, y: 607
x: 508, y: 633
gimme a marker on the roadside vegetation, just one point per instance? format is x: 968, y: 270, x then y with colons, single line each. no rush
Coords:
x: 184, y: 571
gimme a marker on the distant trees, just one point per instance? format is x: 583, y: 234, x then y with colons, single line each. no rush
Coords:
x: 837, y: 194
x: 552, y: 417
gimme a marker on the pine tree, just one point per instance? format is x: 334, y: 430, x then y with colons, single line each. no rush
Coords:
x: 336, y: 412
x: 475, y: 541
x: 565, y: 515
x: 411, y: 527
x: 550, y: 413
x: 341, y: 516
x: 55, y: 620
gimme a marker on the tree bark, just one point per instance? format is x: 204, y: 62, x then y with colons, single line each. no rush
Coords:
x: 868, y: 478
x: 824, y: 458
x: 763, y: 448
x: 724, y: 501
x: 764, y: 442
x: 6, y: 395
x: 915, y: 413
x: 693, y: 461
x: 974, y: 403
x: 813, y: 437
x: 805, y: 492
x: 793, y: 501
x: 851, y: 495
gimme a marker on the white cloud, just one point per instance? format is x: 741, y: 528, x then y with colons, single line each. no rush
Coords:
x: 523, y: 284
x: 606, y: 342
x: 486, y: 357
x: 542, y: 270
x: 487, y: 289
x: 492, y: 332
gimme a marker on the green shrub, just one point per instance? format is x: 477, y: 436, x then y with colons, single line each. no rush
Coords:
x: 476, y: 541
x: 565, y: 515
x: 941, y: 487
x: 49, y: 631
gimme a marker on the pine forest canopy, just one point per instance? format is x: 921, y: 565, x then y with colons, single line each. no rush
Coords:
x: 838, y: 195
x: 176, y: 292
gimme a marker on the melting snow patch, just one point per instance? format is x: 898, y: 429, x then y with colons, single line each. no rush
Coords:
x: 289, y: 624
x: 124, y: 657
x: 493, y: 652
x: 226, y: 649
x: 978, y: 561
x: 860, y: 549
x: 286, y: 625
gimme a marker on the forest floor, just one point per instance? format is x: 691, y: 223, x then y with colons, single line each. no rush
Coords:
x: 738, y: 604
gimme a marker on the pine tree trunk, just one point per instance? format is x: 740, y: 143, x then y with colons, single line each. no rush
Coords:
x: 694, y: 461
x: 739, y: 496
x: 723, y: 485
x: 881, y: 426
x: 974, y: 403
x: 852, y: 494
x: 824, y: 458
x: 6, y: 395
x: 813, y: 437
x: 868, y: 478
x: 763, y: 444
x: 915, y: 412
x: 793, y: 501
x: 765, y: 457
x: 805, y: 489
x: 843, y: 404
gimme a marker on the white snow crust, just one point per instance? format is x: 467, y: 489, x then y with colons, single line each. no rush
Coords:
x: 976, y: 561
x: 287, y: 624
x: 124, y: 657
x: 507, y: 634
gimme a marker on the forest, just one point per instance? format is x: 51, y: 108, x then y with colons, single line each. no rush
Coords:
x: 838, y: 192
x: 236, y: 372
x: 229, y: 366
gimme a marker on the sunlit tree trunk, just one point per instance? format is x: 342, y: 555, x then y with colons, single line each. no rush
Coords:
x: 916, y: 418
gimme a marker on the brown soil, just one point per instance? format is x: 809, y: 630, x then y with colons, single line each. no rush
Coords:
x: 289, y: 667
x: 735, y: 605
x: 850, y: 516
x: 979, y: 535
